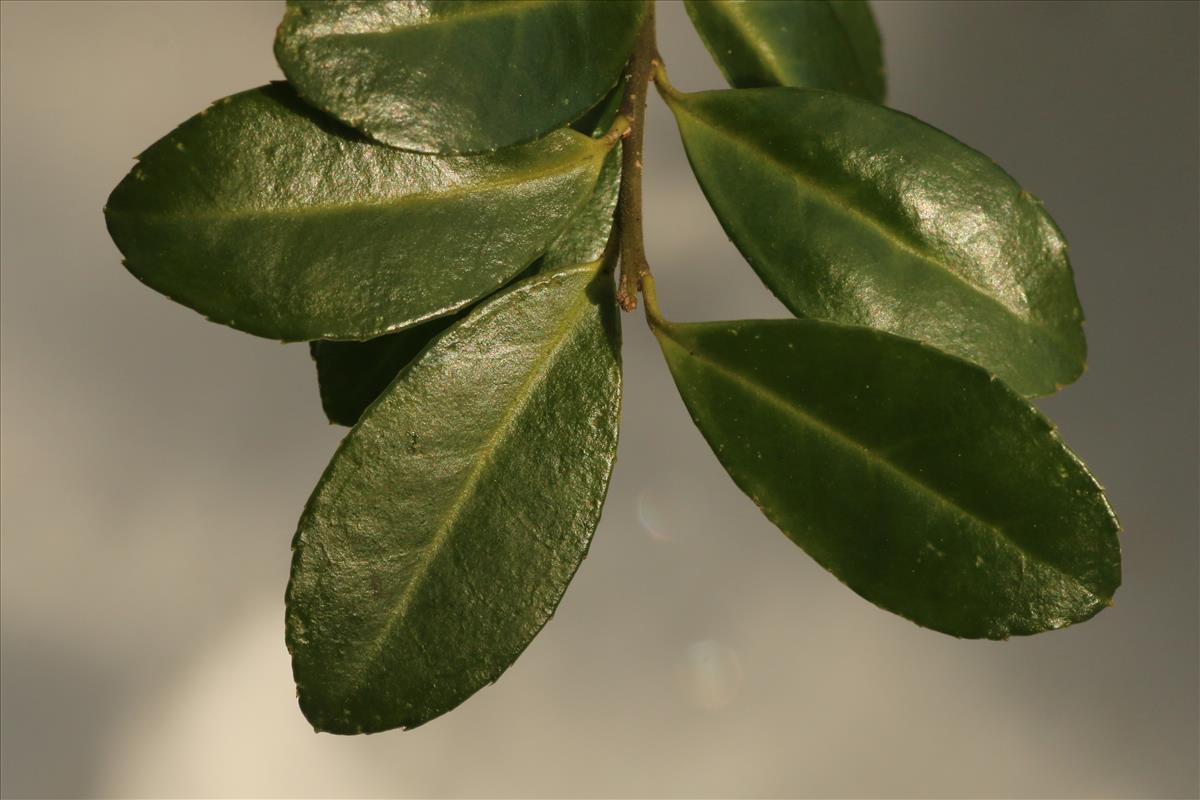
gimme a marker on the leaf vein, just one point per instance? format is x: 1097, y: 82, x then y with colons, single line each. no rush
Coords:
x: 833, y: 200
x: 852, y: 445
x: 374, y: 203
x: 429, y: 554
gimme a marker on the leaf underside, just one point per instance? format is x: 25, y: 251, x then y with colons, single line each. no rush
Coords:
x: 815, y: 44
x: 267, y: 216
x: 924, y: 484
x: 855, y: 213
x: 456, y: 77
x: 454, y: 514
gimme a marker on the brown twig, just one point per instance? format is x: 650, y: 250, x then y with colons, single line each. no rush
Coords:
x: 629, y: 206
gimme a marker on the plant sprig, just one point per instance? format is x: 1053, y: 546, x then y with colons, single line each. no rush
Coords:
x: 437, y: 201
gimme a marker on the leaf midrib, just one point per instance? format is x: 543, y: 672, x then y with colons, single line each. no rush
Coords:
x: 849, y: 443
x: 431, y: 551
x: 765, y: 56
x: 379, y: 202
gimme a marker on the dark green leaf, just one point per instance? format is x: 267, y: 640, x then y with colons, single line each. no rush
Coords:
x: 855, y: 213
x: 587, y: 233
x: 922, y: 482
x: 601, y: 116
x: 264, y: 215
x: 454, y: 514
x: 456, y: 77
x: 352, y: 374
x: 817, y: 44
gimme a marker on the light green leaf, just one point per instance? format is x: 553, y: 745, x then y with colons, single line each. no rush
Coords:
x: 816, y: 44
x: 456, y: 77
x: 855, y: 213
x: 262, y: 214
x: 924, y: 484
x: 451, y: 519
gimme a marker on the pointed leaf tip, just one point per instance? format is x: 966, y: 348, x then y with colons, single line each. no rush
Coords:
x: 926, y: 486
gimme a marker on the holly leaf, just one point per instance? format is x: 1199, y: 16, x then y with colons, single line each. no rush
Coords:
x: 454, y: 514
x: 351, y: 375
x: 600, y: 117
x: 456, y: 77
x: 858, y: 214
x: 817, y: 44
x: 922, y: 482
x: 264, y: 215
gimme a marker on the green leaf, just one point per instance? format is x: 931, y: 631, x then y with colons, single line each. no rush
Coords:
x: 923, y: 483
x: 352, y: 374
x: 855, y: 213
x: 816, y: 44
x: 451, y: 519
x: 262, y: 214
x: 456, y: 77
x: 600, y: 117
x: 587, y: 233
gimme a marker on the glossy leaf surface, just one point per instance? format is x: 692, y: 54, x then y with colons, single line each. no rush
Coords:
x: 352, y: 374
x: 600, y: 117
x: 587, y: 232
x: 449, y: 522
x: 855, y: 213
x: 924, y: 484
x: 817, y: 44
x: 455, y: 76
x: 262, y: 214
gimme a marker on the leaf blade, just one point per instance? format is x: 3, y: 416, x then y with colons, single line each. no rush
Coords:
x: 588, y: 231
x: 264, y: 215
x: 457, y: 514
x: 816, y: 44
x: 891, y: 464
x: 456, y: 77
x: 350, y: 374
x: 858, y: 214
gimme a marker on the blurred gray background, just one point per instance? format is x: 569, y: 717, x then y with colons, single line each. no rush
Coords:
x: 154, y: 466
